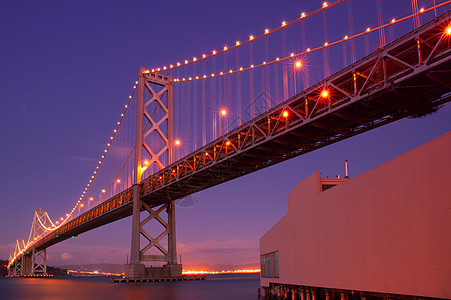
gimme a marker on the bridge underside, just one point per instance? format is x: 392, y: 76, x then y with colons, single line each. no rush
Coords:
x: 410, y: 77
x: 419, y: 96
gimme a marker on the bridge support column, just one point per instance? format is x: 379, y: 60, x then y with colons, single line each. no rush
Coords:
x: 27, y: 265
x: 18, y: 267
x: 11, y: 270
x: 155, y: 92
x: 39, y: 262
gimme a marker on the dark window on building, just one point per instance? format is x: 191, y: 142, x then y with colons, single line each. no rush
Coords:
x: 269, y: 265
x: 326, y: 186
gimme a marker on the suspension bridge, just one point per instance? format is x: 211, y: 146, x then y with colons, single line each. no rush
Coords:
x: 243, y: 108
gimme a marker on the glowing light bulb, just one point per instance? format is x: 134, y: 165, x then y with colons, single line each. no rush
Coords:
x: 171, y: 66
x: 368, y: 29
x: 252, y: 66
x: 194, y: 59
x: 298, y: 64
x: 284, y: 24
x: 62, y: 219
x: 225, y: 48
x: 118, y: 181
x: 303, y: 15
x: 146, y: 162
x: 90, y: 199
x: 285, y: 113
x: 223, y: 112
x: 204, y: 55
x: 81, y: 205
x: 228, y: 143
x: 164, y: 68
x: 325, y: 44
x: 241, y: 69
x: 346, y: 37
x: 177, y: 142
x: 178, y: 64
x: 266, y: 31
x: 251, y: 37
x: 448, y: 30
x: 308, y: 49
x: 103, y: 191
x: 324, y: 4
x: 214, y: 52
x: 421, y: 10
x: 393, y: 20
x: 325, y: 93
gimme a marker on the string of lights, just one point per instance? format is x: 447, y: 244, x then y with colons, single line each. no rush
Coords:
x: 252, y: 38
x: 310, y: 50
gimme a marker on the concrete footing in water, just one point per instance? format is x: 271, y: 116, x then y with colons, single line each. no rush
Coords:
x: 139, y: 271
x: 166, y: 279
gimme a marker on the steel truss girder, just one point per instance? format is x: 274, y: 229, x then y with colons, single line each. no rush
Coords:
x: 356, y: 85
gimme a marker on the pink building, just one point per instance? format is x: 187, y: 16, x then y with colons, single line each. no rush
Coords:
x: 386, y: 232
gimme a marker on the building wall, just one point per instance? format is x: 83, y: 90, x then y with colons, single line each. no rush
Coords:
x: 387, y: 230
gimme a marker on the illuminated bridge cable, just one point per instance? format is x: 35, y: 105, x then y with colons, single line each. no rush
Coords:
x: 252, y: 38
x: 311, y: 50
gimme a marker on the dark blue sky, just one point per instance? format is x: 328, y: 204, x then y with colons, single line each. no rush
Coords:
x: 66, y: 70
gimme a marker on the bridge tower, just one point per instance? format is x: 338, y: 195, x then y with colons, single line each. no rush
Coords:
x: 39, y: 257
x: 155, y: 93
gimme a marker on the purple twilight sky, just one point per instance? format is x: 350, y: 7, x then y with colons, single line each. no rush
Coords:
x: 65, y: 74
